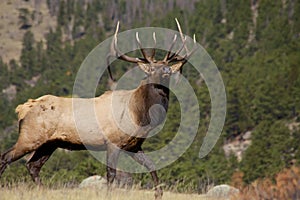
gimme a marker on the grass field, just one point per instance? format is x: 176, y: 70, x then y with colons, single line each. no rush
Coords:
x: 26, y: 192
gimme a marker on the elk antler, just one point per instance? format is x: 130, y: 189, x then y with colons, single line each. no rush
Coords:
x: 175, y: 57
x: 170, y: 57
x: 167, y: 57
x: 149, y: 59
x: 115, y: 52
x: 153, y: 49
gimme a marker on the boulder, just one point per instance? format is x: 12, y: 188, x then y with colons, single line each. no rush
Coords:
x: 122, y: 180
x: 222, y: 192
x: 93, y: 181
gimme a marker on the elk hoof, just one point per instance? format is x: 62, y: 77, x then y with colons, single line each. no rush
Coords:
x: 158, y: 194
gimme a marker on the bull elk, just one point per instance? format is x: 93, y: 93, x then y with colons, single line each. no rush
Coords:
x: 47, y: 123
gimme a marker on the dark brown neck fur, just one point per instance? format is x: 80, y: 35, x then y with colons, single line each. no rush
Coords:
x: 145, y: 96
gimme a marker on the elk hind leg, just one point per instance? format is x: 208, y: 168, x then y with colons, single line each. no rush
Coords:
x: 11, y: 155
x: 5, y: 160
x: 38, y: 159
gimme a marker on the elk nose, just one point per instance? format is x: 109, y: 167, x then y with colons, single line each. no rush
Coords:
x: 166, y: 70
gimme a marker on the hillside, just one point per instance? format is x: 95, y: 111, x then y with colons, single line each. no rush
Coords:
x: 16, y: 18
x: 255, y: 46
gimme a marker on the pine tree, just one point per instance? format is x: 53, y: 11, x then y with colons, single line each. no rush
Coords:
x: 62, y: 15
x: 28, y: 55
x: 269, y: 153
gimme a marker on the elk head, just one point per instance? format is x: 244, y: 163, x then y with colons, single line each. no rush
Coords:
x: 157, y: 71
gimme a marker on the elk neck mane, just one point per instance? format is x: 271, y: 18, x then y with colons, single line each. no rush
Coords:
x: 144, y: 97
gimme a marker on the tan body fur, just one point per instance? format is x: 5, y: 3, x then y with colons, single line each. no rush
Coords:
x: 50, y: 119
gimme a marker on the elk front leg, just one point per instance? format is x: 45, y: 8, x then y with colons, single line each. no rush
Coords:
x: 142, y: 159
x: 111, y: 163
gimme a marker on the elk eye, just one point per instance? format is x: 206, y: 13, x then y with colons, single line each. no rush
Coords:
x: 152, y: 70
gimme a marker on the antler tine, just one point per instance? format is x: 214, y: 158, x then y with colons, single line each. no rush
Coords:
x: 167, y: 57
x: 194, y: 48
x: 153, y: 49
x: 181, y: 34
x: 188, y: 55
x: 115, y: 52
x: 175, y: 56
x: 117, y: 30
x: 148, y: 59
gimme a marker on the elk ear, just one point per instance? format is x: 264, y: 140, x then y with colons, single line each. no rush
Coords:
x: 176, y: 67
x: 145, y: 67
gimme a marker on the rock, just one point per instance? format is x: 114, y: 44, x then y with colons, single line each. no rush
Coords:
x: 33, y: 81
x: 122, y: 180
x: 222, y: 192
x: 93, y: 181
x: 238, y: 145
x: 247, y: 135
x: 10, y: 91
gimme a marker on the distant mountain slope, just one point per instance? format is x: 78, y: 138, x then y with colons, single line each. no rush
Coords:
x: 16, y: 17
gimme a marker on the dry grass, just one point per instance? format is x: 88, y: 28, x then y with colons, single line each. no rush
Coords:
x: 26, y: 192
x: 286, y: 186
